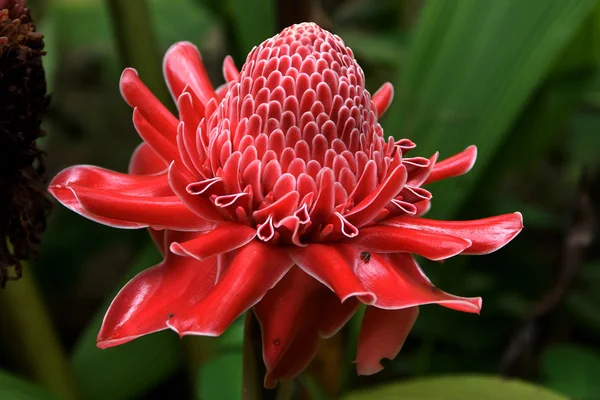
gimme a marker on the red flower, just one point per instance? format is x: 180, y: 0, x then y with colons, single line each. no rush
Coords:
x: 277, y: 192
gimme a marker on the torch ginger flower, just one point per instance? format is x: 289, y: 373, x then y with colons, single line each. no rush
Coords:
x: 277, y: 192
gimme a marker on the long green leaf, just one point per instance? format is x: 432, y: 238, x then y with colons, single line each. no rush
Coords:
x: 13, y: 388
x: 128, y: 370
x: 471, y: 68
x: 458, y: 388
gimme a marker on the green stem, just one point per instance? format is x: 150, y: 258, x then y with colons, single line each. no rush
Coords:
x: 252, y: 387
x: 136, y: 42
x: 30, y: 332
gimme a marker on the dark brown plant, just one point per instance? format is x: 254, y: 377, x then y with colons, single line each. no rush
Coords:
x: 23, y: 101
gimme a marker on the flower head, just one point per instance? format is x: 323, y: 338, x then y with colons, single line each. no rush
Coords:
x: 278, y: 192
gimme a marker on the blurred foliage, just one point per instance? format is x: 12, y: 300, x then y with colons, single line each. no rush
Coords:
x: 457, y: 388
x: 520, y: 79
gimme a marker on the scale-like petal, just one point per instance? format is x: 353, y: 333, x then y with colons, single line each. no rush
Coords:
x: 382, y: 334
x: 486, y: 234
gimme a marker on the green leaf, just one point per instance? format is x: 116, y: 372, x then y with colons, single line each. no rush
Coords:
x: 221, y: 377
x: 458, y: 388
x: 387, y: 48
x: 572, y: 370
x: 254, y: 22
x: 128, y: 370
x: 14, y: 388
x: 471, y: 68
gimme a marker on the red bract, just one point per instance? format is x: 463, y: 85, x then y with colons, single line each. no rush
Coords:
x: 279, y: 193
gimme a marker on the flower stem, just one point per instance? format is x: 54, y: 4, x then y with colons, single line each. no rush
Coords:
x: 30, y: 332
x: 137, y: 44
x: 252, y: 387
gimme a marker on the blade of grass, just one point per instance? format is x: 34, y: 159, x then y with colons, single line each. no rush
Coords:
x: 471, y: 70
x: 12, y: 387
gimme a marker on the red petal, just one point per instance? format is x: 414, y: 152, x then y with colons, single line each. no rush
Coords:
x: 292, y: 315
x: 382, y: 334
x: 158, y: 236
x: 144, y: 161
x: 183, y: 67
x: 137, y: 95
x: 391, y: 239
x: 166, y: 212
x: 179, y: 179
x: 66, y: 196
x: 104, y: 179
x: 383, y: 98
x: 368, y: 208
x: 225, y: 237
x: 288, y: 316
x: 398, y: 282
x: 230, y: 72
x: 331, y: 265
x: 255, y: 269
x: 165, y: 147
x: 94, y: 178
x: 486, y: 234
x: 456, y: 165
x: 150, y: 299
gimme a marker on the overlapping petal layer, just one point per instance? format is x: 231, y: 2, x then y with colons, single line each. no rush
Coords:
x: 278, y: 192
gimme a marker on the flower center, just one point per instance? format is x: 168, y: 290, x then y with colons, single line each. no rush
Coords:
x: 295, y: 145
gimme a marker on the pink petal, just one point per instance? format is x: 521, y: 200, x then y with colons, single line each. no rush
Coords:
x: 398, y: 282
x: 255, y: 268
x: 458, y: 164
x: 158, y: 236
x: 383, y: 98
x: 330, y: 265
x: 165, y: 147
x: 486, y: 234
x: 391, y: 239
x: 137, y: 95
x: 368, y: 208
x: 66, y: 196
x: 230, y: 72
x: 144, y: 161
x: 225, y: 237
x: 288, y: 316
x: 179, y: 179
x: 104, y: 179
x: 154, y: 296
x: 182, y: 66
x: 382, y: 334
x: 166, y: 212
x: 292, y: 315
